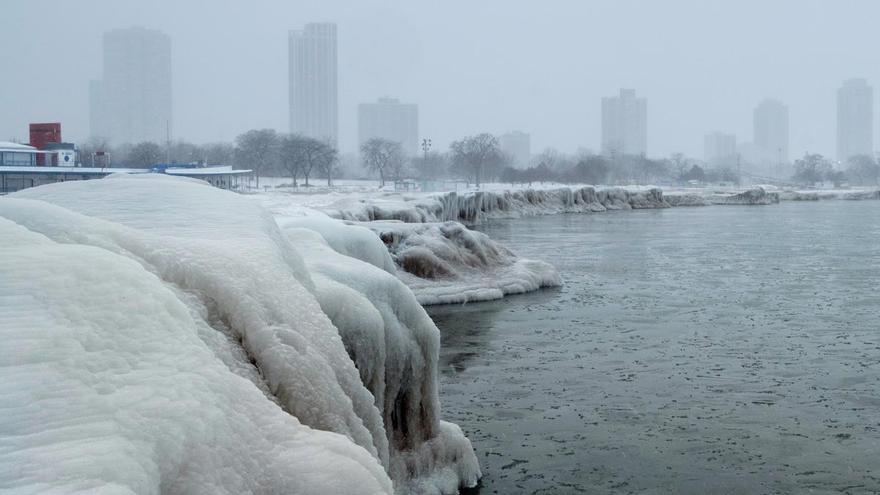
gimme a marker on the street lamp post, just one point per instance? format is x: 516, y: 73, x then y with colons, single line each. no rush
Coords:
x: 426, y: 145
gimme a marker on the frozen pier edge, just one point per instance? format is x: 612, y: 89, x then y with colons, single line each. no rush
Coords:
x: 160, y: 335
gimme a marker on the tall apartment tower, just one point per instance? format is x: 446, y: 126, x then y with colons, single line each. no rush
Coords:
x: 313, y: 87
x: 719, y: 149
x: 132, y: 103
x: 390, y: 119
x: 624, y: 124
x: 770, y: 127
x: 518, y: 146
x: 855, y: 119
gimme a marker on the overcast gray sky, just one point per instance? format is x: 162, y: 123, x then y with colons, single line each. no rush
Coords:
x: 472, y: 66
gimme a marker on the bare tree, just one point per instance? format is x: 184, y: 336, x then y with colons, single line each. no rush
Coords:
x: 88, y: 152
x: 431, y: 166
x: 327, y: 161
x: 257, y: 149
x: 383, y: 156
x: 218, y: 153
x: 863, y: 170
x: 290, y: 156
x: 144, y: 155
x: 184, y: 152
x: 303, y: 155
x: 473, y: 154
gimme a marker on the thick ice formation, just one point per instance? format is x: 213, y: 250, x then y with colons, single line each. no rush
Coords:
x: 395, y: 346
x: 816, y: 195
x: 753, y: 196
x: 176, y: 354
x: 473, y: 207
x: 107, y: 386
x: 448, y: 263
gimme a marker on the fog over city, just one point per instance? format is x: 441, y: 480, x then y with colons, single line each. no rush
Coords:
x: 457, y: 247
x: 491, y: 66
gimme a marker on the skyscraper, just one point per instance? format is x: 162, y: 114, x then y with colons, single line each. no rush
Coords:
x: 855, y: 119
x: 390, y: 119
x: 770, y: 127
x: 624, y: 124
x: 133, y: 101
x: 517, y: 145
x: 719, y: 149
x: 312, y: 65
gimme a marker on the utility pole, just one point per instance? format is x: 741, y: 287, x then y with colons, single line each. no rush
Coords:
x: 167, y: 142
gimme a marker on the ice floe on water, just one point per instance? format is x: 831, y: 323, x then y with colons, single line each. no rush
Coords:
x: 162, y: 335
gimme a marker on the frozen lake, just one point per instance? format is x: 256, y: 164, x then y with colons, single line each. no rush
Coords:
x: 703, y: 350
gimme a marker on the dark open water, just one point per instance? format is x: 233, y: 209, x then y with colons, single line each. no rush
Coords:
x: 702, y: 350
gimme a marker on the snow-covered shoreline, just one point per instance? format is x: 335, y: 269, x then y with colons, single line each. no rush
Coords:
x: 443, y: 261
x: 162, y: 335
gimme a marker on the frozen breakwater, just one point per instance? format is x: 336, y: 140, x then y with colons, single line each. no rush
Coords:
x: 476, y: 206
x: 753, y: 196
x: 160, y: 335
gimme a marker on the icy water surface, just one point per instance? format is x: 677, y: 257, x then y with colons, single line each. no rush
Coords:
x: 703, y: 350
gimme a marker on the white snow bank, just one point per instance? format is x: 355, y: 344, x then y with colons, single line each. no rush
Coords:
x: 447, y: 263
x: 108, y: 387
x: 474, y: 207
x: 251, y: 300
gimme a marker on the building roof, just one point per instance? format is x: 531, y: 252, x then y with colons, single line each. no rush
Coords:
x: 72, y: 170
x: 10, y: 146
x: 203, y: 171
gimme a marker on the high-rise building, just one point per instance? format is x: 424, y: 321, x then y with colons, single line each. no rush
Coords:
x: 313, y: 88
x: 624, y: 124
x: 770, y: 127
x: 518, y: 146
x: 855, y: 119
x: 719, y: 149
x: 390, y: 119
x: 132, y: 103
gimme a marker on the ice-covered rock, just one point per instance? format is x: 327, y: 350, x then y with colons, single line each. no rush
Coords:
x: 685, y: 199
x: 816, y: 195
x: 753, y: 196
x: 448, y: 263
x: 258, y: 366
x: 707, y: 197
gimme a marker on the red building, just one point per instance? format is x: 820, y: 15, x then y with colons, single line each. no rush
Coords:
x: 43, y: 134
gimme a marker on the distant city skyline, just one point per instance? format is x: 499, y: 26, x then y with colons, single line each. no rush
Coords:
x: 231, y: 74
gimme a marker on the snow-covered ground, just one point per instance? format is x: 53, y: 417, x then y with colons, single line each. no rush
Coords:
x: 160, y: 335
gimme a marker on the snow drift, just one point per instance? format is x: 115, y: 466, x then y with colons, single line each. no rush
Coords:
x: 190, y: 347
x: 474, y: 207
